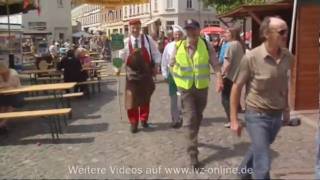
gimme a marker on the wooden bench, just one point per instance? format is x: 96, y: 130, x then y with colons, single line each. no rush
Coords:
x: 51, y: 97
x: 67, y: 96
x: 51, y: 79
x: 54, y: 124
x: 92, y: 83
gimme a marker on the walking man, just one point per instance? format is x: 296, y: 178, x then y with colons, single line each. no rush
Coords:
x: 178, y: 35
x: 265, y: 72
x: 191, y: 73
x: 142, y: 59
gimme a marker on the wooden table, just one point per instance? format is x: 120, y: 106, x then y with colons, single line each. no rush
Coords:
x: 57, y: 89
x: 36, y: 72
x: 39, y: 88
x: 98, y: 61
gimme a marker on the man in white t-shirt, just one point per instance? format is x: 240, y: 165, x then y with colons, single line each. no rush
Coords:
x: 8, y: 79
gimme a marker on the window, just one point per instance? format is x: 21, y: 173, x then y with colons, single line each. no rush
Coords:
x: 189, y: 4
x: 205, y: 7
x: 60, y: 3
x: 134, y: 9
x: 169, y: 25
x: 138, y: 11
x: 120, y: 16
x: 155, y: 5
x: 147, y: 8
x: 169, y: 4
x: 130, y: 10
x: 125, y: 11
x: 61, y: 36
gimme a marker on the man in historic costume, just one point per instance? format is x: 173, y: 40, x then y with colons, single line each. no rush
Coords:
x: 178, y: 34
x: 142, y: 59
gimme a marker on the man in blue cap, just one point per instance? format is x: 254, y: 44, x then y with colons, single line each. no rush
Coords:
x: 191, y: 72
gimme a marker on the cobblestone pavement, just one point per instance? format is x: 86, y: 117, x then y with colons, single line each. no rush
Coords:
x: 97, y: 138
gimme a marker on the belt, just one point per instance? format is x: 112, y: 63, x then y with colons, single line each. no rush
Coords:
x: 267, y: 111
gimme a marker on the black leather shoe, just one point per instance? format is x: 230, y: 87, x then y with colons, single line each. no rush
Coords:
x: 180, y: 124
x: 134, y: 128
x: 174, y: 125
x: 145, y: 125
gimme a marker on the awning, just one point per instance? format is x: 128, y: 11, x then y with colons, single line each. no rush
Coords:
x: 147, y: 23
x: 14, y: 27
x: 15, y: 6
x: 37, y: 33
x: 111, y: 3
x: 213, y: 30
x: 247, y: 10
x: 81, y: 33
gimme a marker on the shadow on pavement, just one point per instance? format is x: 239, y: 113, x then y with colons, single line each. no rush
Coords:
x: 86, y: 128
x: 209, y: 121
x: 223, y: 153
x: 158, y: 127
x: 39, y: 142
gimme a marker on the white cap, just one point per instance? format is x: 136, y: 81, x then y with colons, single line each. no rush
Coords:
x: 177, y: 28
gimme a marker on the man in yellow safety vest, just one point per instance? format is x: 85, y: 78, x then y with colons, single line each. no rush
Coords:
x: 191, y: 72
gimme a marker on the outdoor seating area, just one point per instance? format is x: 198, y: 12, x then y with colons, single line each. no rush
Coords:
x: 46, y: 96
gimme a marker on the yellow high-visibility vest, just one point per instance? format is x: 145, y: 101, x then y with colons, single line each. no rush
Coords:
x: 188, y: 71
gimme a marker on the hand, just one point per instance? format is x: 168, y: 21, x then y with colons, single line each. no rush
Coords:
x: 219, y: 85
x: 236, y: 127
x: 286, y: 117
x: 155, y: 71
x: 117, y: 71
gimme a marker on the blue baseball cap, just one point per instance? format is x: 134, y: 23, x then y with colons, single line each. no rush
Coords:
x: 191, y: 24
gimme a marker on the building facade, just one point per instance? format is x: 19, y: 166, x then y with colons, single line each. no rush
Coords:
x: 54, y: 20
x: 112, y: 20
x: 162, y: 14
x: 155, y: 16
x: 89, y: 16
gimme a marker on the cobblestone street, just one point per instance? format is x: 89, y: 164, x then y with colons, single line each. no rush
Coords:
x: 96, y: 137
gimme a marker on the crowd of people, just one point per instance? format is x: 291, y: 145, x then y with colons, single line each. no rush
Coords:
x: 185, y: 58
x: 100, y: 45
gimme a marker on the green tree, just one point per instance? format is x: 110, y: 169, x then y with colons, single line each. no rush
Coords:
x: 223, y: 6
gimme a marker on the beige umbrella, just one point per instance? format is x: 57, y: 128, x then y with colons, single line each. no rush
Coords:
x: 111, y: 3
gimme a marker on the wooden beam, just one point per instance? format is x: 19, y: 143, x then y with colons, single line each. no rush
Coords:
x: 255, y: 17
x: 225, y: 23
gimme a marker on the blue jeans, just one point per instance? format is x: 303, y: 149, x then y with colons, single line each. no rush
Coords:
x: 262, y: 129
x: 317, y: 173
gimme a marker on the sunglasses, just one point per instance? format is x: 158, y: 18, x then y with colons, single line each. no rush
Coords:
x: 283, y: 32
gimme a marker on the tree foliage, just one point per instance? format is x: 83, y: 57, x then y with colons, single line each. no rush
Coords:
x: 223, y: 6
